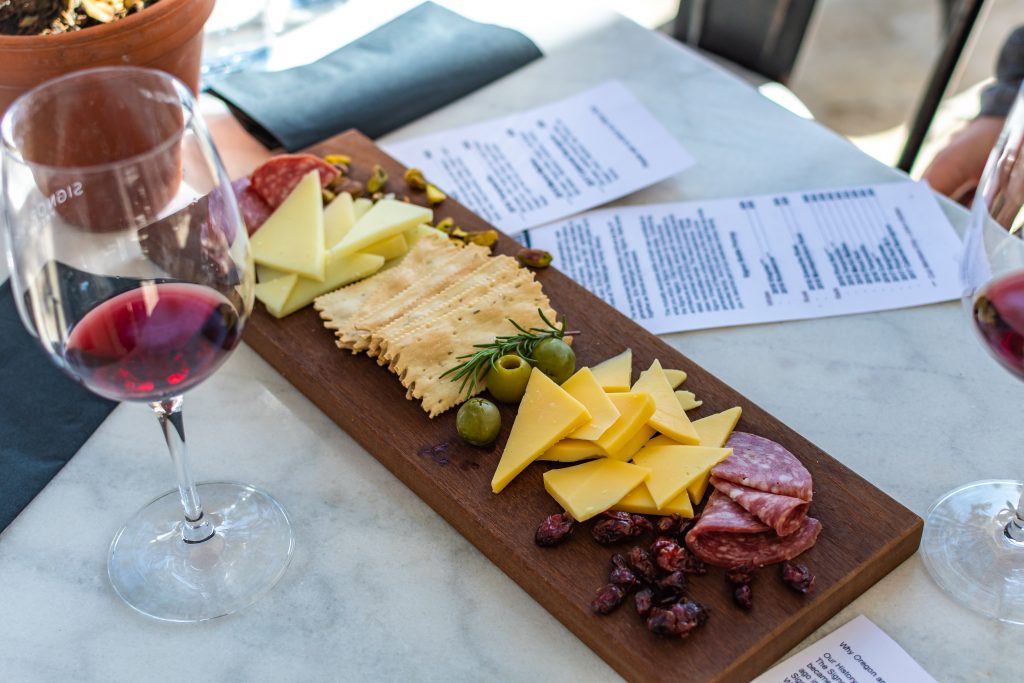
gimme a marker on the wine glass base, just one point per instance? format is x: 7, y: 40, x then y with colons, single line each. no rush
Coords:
x: 158, y: 574
x: 968, y: 554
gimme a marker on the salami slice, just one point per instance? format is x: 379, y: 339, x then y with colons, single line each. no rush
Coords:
x: 784, y: 514
x: 764, y: 465
x: 731, y: 550
x: 276, y: 178
x: 252, y: 207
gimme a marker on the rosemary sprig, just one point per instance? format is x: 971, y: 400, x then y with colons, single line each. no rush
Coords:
x: 475, y: 365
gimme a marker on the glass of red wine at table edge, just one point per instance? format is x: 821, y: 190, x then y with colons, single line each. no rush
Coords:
x: 973, y: 544
x: 131, y: 266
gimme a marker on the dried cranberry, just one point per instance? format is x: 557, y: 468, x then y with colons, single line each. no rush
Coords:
x: 691, y: 564
x: 608, y: 598
x: 662, y: 622
x: 797, y: 576
x: 644, y: 600
x: 671, y: 525
x: 619, y: 561
x: 669, y: 556
x: 640, y: 524
x: 689, y: 615
x: 617, y: 526
x: 740, y: 575
x: 671, y: 587
x: 742, y: 596
x: 660, y: 542
x: 553, y: 530
x: 640, y: 560
x: 623, y: 576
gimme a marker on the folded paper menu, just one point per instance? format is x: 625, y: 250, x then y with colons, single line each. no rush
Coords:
x: 694, y: 265
x: 858, y: 652
x: 539, y: 165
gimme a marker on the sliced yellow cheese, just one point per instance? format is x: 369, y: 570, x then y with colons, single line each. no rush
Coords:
x: 634, y: 444
x: 339, y: 217
x: 669, y: 417
x: 616, y: 373
x: 340, y: 271
x: 547, y: 414
x: 639, y: 501
x: 361, y: 206
x: 635, y: 409
x: 274, y: 293
x: 675, y: 377
x: 583, y: 387
x: 572, y: 450
x: 292, y: 238
x: 714, y: 430
x: 386, y: 218
x: 266, y: 273
x: 391, y: 248
x: 688, y: 401
x: 414, y: 235
x: 674, y: 468
x: 593, y: 487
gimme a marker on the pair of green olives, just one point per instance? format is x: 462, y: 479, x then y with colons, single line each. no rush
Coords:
x: 506, y: 380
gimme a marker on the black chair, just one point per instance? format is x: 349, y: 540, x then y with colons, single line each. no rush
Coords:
x: 763, y: 36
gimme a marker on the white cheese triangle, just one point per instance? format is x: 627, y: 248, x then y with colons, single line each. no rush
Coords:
x: 388, y: 217
x: 339, y: 217
x: 292, y: 238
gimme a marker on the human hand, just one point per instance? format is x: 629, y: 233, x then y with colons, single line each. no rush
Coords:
x: 956, y: 170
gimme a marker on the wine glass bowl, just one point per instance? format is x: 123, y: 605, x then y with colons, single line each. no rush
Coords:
x: 973, y: 542
x: 130, y: 264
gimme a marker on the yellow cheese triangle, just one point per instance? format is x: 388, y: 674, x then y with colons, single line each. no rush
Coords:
x: 572, y: 450
x: 616, y: 373
x: 547, y: 413
x: 584, y: 388
x: 361, y: 206
x: 292, y: 238
x: 635, y: 409
x: 688, y: 401
x: 414, y: 235
x: 674, y: 468
x: 639, y: 501
x: 338, y: 272
x: 593, y: 487
x: 274, y: 293
x: 675, y: 377
x: 390, y: 248
x: 669, y: 417
x: 714, y: 430
x: 339, y: 217
x: 386, y: 218
x: 634, y: 444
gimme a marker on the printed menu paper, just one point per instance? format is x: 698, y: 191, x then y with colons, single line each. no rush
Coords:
x: 858, y: 652
x: 537, y: 166
x: 694, y: 265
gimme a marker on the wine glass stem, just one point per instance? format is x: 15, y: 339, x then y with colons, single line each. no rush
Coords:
x: 196, y: 527
x: 1015, y: 527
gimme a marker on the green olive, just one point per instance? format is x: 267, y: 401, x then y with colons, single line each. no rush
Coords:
x: 555, y: 358
x: 478, y: 421
x: 506, y: 380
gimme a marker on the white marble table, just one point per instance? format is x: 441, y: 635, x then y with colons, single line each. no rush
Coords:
x: 381, y: 588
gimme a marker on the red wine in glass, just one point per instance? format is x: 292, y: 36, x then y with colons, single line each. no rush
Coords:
x: 152, y: 342
x: 998, y: 314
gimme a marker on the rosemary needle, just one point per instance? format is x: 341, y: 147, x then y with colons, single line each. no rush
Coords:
x: 475, y: 365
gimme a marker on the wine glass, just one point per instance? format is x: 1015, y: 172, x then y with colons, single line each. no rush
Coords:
x: 973, y: 544
x: 130, y: 264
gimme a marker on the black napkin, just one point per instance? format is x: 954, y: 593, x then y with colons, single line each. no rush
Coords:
x: 45, y: 417
x: 405, y: 69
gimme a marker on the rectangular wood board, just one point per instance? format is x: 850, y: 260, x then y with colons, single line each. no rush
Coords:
x: 866, y: 533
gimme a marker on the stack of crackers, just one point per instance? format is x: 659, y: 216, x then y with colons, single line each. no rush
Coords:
x: 440, y: 301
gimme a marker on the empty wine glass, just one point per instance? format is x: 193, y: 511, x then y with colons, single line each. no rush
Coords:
x: 130, y: 264
x: 973, y: 544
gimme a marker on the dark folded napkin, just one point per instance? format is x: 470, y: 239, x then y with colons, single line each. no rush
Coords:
x: 45, y: 417
x: 405, y: 69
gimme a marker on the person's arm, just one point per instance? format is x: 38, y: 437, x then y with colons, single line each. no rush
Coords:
x: 956, y: 170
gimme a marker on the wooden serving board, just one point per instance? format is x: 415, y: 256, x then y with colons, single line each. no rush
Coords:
x: 866, y: 533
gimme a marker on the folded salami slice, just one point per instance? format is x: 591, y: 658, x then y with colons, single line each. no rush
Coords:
x: 275, y: 178
x: 723, y: 537
x: 762, y: 464
x: 784, y: 514
x: 252, y: 207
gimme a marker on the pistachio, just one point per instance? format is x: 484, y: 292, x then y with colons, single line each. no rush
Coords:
x: 338, y: 159
x: 344, y: 184
x: 327, y: 195
x: 378, y: 179
x: 534, y: 258
x: 434, y: 195
x: 414, y: 179
x: 445, y: 225
x: 484, y: 238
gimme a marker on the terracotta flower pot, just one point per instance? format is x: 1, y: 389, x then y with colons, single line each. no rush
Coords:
x: 167, y: 36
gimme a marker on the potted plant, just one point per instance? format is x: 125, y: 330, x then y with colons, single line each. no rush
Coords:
x: 166, y: 35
